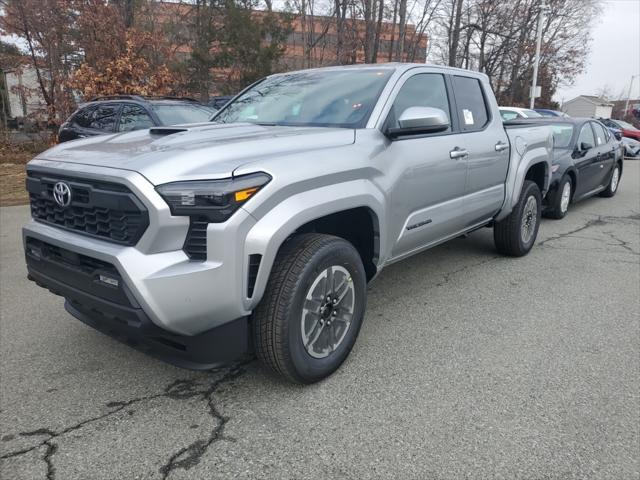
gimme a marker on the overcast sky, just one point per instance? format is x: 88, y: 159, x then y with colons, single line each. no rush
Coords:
x: 614, y: 54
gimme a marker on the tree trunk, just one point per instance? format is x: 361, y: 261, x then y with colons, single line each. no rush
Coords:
x: 454, y: 34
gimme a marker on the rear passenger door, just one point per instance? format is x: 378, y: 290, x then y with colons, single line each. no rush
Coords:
x: 605, y: 153
x: 487, y: 146
x: 586, y: 160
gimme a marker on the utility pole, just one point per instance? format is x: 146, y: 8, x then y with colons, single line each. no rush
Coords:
x: 626, y: 105
x: 536, y: 63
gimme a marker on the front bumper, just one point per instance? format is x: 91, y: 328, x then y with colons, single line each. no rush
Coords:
x: 110, y: 307
x: 177, y: 294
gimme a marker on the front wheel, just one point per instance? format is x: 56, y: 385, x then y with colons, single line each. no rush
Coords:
x: 516, y: 234
x: 612, y: 188
x: 312, y: 309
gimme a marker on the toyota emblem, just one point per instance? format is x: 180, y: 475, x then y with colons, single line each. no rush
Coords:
x: 62, y: 194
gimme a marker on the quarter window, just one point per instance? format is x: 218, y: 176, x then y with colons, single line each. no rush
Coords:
x: 472, y: 108
x: 134, y: 117
x: 421, y: 90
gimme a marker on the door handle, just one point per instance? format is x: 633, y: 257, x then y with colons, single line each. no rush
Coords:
x: 458, y: 153
x: 500, y: 146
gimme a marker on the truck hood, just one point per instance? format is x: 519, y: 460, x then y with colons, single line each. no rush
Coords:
x: 195, y: 151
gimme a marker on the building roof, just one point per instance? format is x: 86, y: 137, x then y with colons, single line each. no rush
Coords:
x: 592, y: 99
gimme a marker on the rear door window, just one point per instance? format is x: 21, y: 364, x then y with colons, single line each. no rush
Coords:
x: 104, y: 117
x: 134, y: 117
x: 470, y: 102
x: 83, y: 117
x: 601, y: 135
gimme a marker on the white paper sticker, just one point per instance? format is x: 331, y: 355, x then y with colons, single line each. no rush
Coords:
x: 468, y: 116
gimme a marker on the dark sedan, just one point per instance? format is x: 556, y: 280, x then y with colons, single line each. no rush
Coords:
x: 587, y: 161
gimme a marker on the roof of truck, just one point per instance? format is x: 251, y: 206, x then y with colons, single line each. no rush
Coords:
x: 399, y: 66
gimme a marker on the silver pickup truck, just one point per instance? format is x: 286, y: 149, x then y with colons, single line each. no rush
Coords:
x: 259, y: 231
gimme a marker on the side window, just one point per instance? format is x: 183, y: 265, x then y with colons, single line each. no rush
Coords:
x: 601, y: 135
x: 83, y: 117
x: 134, y: 117
x: 104, y: 117
x: 586, y: 136
x: 472, y: 108
x: 421, y: 90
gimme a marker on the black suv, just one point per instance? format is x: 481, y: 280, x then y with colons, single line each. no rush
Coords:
x: 123, y: 113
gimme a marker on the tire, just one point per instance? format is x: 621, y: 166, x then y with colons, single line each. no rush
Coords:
x: 286, y: 321
x: 508, y: 234
x: 614, y: 183
x: 563, y: 198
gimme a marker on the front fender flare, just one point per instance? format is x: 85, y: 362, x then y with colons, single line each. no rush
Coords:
x: 272, y: 230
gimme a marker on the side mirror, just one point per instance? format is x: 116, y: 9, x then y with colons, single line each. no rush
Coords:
x: 420, y: 120
x: 584, y: 146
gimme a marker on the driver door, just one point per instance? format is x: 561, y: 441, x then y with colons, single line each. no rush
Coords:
x: 429, y: 180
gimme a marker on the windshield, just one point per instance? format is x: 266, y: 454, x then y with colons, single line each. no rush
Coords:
x: 531, y: 113
x: 177, y: 113
x: 625, y: 125
x: 329, y: 98
x: 562, y: 135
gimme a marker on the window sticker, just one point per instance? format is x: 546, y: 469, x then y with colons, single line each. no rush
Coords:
x: 468, y: 116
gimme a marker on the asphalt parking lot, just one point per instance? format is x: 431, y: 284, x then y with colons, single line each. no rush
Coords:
x: 469, y: 366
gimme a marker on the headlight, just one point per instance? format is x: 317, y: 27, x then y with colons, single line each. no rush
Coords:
x: 216, y: 200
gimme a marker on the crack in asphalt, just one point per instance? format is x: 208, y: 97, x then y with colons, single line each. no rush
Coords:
x: 599, y: 221
x: 622, y: 243
x: 189, y: 456
x: 180, y: 389
x: 591, y: 223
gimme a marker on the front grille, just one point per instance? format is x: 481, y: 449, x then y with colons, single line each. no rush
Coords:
x: 104, y: 210
x: 195, y: 245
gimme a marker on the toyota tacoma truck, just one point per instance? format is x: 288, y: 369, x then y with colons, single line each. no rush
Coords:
x: 257, y: 232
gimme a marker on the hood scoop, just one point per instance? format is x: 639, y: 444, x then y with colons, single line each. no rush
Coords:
x: 164, y: 131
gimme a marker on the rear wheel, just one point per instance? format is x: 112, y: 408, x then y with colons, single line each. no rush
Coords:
x: 312, y: 309
x: 561, y: 203
x: 612, y: 188
x: 516, y: 234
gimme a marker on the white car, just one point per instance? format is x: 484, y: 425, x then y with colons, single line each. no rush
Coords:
x: 512, y: 113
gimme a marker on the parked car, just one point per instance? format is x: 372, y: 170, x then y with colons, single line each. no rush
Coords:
x: 261, y: 229
x: 123, y: 113
x: 631, y: 147
x: 219, y: 102
x: 550, y: 113
x: 626, y: 128
x: 587, y: 161
x: 512, y: 113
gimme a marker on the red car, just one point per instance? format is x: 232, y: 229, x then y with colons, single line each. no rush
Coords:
x: 627, y: 129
